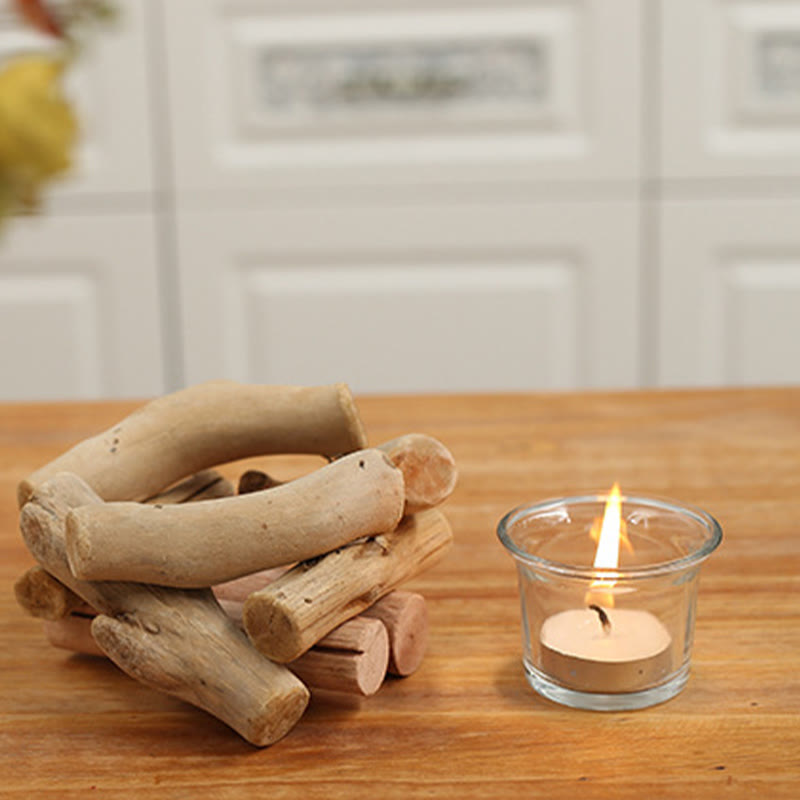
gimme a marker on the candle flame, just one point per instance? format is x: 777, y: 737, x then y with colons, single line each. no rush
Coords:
x: 609, y: 532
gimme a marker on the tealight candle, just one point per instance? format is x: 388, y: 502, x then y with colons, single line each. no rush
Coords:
x: 608, y: 633
x: 631, y: 651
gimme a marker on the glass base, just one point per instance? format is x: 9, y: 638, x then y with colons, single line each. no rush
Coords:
x: 591, y: 701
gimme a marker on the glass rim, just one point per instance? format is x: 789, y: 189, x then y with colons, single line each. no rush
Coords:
x: 697, y: 555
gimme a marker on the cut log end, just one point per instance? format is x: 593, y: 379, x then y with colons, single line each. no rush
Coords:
x: 358, y: 672
x: 273, y: 719
x: 272, y: 629
x: 41, y: 595
x: 405, y: 615
x: 373, y: 662
x: 428, y: 467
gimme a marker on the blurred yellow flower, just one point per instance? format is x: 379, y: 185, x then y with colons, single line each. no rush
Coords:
x: 37, y: 129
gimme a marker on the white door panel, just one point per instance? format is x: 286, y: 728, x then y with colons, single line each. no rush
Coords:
x: 730, y: 292
x: 414, y: 299
x: 79, y: 309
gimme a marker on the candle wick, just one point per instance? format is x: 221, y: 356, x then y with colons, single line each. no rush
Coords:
x: 604, y: 620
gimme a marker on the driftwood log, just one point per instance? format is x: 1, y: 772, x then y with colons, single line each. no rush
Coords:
x: 201, y: 544
x: 404, y: 614
x: 294, y: 612
x: 178, y: 641
x: 428, y: 467
x: 355, y: 665
x: 212, y: 423
x: 352, y: 658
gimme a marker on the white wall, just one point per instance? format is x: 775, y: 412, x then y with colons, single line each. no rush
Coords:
x: 419, y: 197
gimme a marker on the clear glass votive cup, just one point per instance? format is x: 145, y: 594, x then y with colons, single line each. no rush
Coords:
x: 607, y: 639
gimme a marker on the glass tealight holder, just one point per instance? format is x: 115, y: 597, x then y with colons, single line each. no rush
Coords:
x: 608, y: 639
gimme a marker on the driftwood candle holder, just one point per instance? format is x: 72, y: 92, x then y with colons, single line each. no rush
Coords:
x: 161, y: 576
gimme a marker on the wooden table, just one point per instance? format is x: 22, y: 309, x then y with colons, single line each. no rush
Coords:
x: 466, y: 724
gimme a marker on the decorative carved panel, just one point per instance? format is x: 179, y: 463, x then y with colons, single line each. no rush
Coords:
x: 362, y: 80
x: 269, y: 94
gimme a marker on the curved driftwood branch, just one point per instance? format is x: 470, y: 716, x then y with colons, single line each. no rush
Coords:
x: 177, y: 641
x: 201, y: 544
x: 211, y: 423
x: 43, y: 596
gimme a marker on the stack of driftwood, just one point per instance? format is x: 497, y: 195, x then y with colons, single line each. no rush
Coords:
x: 239, y: 599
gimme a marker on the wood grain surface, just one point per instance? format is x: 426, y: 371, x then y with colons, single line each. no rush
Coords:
x: 466, y: 724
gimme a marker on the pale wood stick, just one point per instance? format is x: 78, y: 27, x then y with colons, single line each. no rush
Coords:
x: 352, y: 658
x: 214, y: 491
x: 178, y: 641
x: 205, y: 485
x: 294, y: 612
x: 239, y: 589
x: 428, y: 468
x: 211, y: 423
x: 73, y: 633
x: 44, y: 596
x: 201, y: 544
x: 405, y: 617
